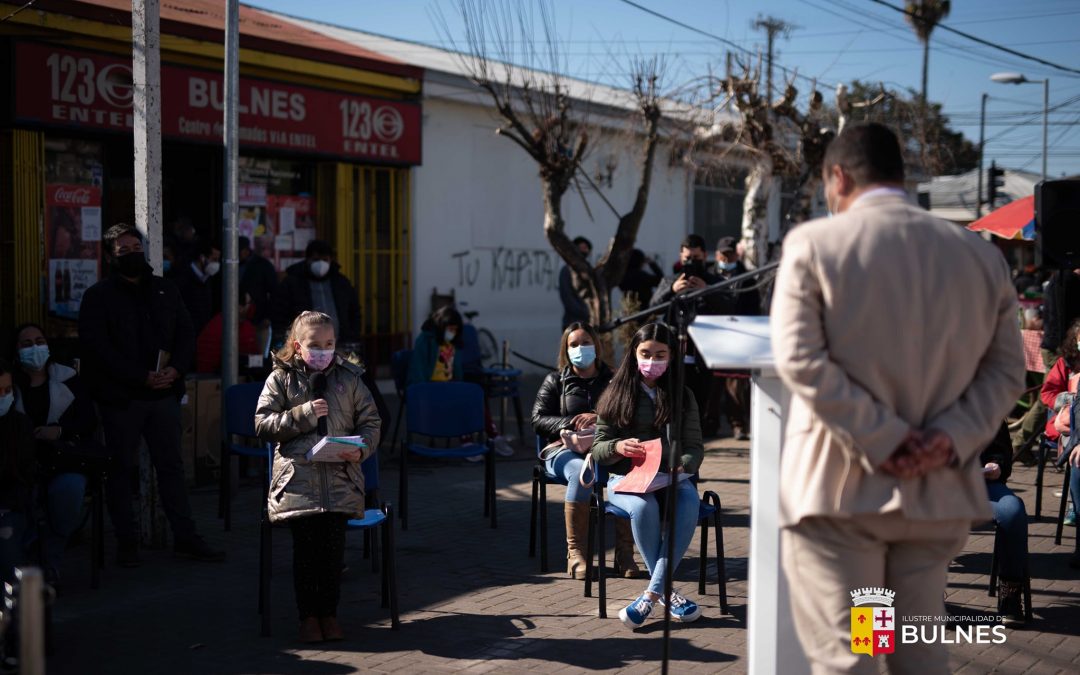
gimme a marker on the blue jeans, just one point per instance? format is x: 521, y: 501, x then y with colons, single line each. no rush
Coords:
x: 567, y: 465
x: 64, y: 501
x: 649, y: 535
x: 1010, y: 516
x: 12, y: 543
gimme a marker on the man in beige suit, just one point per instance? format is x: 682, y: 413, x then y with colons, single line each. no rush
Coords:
x: 897, y: 335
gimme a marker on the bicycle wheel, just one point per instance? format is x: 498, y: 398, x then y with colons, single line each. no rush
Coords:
x: 489, y: 348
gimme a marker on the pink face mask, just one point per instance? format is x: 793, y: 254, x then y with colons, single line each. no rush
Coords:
x: 318, y: 359
x: 651, y: 368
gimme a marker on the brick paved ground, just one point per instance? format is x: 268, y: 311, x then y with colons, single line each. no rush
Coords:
x: 473, y: 601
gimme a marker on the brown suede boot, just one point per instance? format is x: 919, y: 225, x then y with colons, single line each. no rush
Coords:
x: 310, y: 631
x: 624, y: 551
x: 577, y: 529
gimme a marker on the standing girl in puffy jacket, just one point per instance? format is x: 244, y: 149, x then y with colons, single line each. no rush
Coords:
x: 316, y: 498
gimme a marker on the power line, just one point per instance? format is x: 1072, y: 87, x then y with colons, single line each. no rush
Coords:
x: 680, y: 24
x: 987, y: 43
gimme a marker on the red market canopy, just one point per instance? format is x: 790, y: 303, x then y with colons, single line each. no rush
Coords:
x: 1015, y: 220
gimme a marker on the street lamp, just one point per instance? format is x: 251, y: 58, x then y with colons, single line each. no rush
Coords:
x: 1018, y: 78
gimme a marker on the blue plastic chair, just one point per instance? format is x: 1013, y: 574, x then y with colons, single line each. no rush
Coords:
x: 241, y: 400
x: 448, y: 410
x: 502, y: 383
x: 399, y: 368
x: 379, y: 515
x: 540, y: 480
x: 708, y: 508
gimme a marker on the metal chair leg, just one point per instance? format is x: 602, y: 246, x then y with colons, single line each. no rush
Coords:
x: 601, y: 553
x: 702, y: 562
x: 543, y: 525
x: 533, y: 513
x: 391, y: 568
x: 518, y: 415
x: 403, y: 488
x: 589, y: 546
x: 494, y: 516
x: 488, y: 459
x: 1061, y: 508
x: 992, y: 591
x: 1039, y: 473
x: 397, y: 423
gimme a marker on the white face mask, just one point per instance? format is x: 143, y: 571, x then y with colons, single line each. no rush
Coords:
x: 320, y: 268
x: 5, y: 403
x: 212, y: 268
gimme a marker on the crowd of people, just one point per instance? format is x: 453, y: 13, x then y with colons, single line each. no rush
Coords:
x: 894, y: 446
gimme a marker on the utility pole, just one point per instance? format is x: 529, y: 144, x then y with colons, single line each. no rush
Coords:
x: 982, y: 152
x: 230, y: 362
x: 146, y: 76
x: 772, y: 26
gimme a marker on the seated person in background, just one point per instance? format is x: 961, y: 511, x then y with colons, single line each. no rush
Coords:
x: 208, y: 345
x: 52, y: 397
x: 1010, y: 516
x: 1057, y: 383
x: 567, y: 400
x: 17, y: 477
x: 435, y: 358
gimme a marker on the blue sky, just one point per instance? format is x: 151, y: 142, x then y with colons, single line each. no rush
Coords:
x: 833, y: 40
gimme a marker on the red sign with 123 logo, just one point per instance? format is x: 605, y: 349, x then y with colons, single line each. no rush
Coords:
x: 86, y: 89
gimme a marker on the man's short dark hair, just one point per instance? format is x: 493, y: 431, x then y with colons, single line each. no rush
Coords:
x: 693, y: 241
x: 318, y: 247
x: 869, y: 153
x: 245, y: 244
x: 206, y: 247
x: 115, y: 232
x: 578, y: 241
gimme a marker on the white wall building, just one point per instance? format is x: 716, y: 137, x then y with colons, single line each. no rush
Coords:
x: 477, y: 225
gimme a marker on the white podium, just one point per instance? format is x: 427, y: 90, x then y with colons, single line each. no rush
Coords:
x: 742, y: 343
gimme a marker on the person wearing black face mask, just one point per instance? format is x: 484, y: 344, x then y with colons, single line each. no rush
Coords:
x: 137, y: 343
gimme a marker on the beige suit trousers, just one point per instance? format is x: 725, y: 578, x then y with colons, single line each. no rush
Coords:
x: 825, y: 558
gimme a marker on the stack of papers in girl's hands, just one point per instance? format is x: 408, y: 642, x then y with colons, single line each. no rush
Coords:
x: 330, y: 448
x: 645, y: 475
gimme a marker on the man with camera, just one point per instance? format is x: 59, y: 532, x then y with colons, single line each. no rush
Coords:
x: 692, y: 273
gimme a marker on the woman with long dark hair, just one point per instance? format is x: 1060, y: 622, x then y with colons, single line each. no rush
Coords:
x: 567, y: 401
x: 635, y: 408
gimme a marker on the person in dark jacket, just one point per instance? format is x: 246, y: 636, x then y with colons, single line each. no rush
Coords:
x: 639, y: 283
x: 52, y: 396
x: 317, y: 284
x: 694, y: 274
x: 18, y: 472
x: 635, y: 408
x: 198, y: 284
x: 574, y: 308
x: 567, y: 400
x: 259, y: 279
x: 1011, y: 518
x: 137, y: 343
x: 730, y: 393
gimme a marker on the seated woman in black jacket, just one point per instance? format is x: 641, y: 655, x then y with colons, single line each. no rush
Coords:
x: 64, y: 422
x: 17, y: 473
x: 567, y: 400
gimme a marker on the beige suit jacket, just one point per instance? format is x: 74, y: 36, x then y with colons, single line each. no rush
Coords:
x: 886, y: 318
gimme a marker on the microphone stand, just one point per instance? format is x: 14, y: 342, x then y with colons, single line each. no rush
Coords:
x: 681, y: 311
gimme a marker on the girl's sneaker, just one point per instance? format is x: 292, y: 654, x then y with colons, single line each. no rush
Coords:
x: 633, y: 615
x: 684, y: 609
x: 1070, y: 519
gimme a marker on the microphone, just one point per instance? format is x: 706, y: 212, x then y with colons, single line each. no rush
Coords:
x: 318, y: 390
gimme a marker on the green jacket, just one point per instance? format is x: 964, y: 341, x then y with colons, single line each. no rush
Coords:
x: 607, y: 435
x: 285, y: 416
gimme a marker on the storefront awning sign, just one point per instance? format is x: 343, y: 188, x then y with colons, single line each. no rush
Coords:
x: 1015, y: 220
x: 73, y: 88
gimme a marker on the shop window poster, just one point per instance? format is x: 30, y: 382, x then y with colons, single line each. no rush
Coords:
x: 73, y: 186
x: 276, y: 208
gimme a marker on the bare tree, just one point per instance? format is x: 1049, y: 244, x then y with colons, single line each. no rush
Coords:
x: 512, y: 53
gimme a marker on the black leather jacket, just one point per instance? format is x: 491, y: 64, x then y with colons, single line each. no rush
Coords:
x: 563, y: 395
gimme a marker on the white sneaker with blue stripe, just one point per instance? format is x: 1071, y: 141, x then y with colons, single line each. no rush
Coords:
x: 633, y: 615
x: 683, y: 609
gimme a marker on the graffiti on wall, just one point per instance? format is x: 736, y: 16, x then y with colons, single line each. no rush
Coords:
x: 507, y: 269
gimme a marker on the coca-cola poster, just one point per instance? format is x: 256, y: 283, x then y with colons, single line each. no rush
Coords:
x: 72, y: 222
